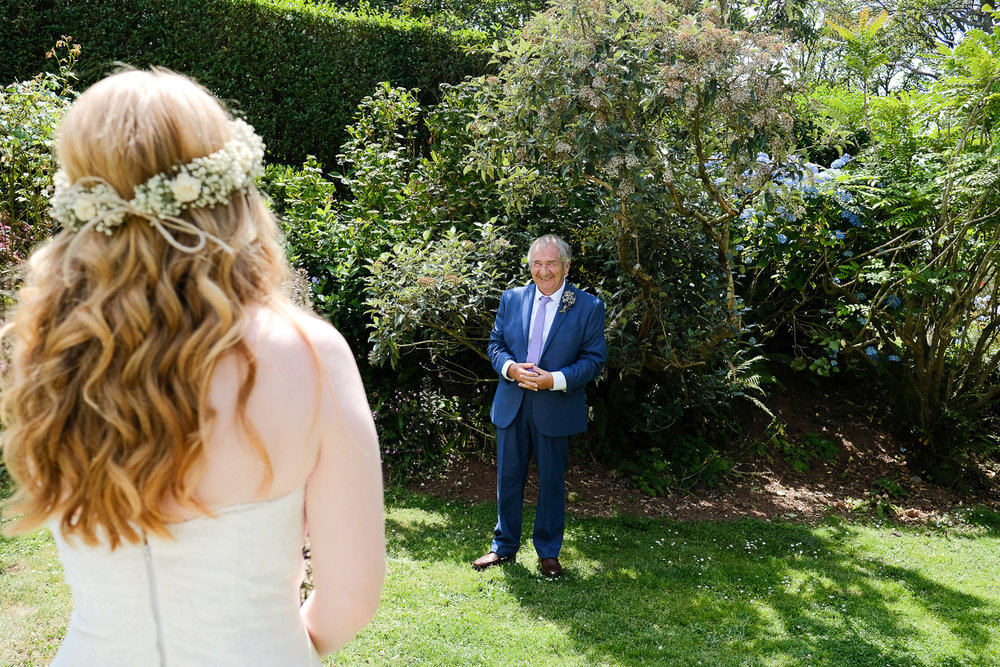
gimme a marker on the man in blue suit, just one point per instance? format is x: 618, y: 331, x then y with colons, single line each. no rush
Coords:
x: 547, y: 343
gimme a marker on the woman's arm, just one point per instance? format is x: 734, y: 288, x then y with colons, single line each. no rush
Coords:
x: 344, y: 506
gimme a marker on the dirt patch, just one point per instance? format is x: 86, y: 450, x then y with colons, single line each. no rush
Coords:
x: 870, y: 470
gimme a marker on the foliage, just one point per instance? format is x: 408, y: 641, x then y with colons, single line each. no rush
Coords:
x: 422, y: 429
x: 690, y: 459
x: 29, y: 113
x: 864, y: 50
x: 295, y: 68
x: 657, y: 110
x: 932, y: 269
x: 799, y: 455
x: 450, y: 287
x: 493, y: 17
x: 436, y: 269
x: 889, y: 488
x: 330, y: 248
x: 894, y: 257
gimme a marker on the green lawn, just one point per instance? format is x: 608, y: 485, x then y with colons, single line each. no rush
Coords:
x: 636, y: 592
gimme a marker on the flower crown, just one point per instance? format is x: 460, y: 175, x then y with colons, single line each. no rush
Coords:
x: 203, y: 182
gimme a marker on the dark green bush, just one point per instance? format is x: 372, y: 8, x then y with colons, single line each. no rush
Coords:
x: 422, y: 428
x: 296, y: 69
x: 495, y: 17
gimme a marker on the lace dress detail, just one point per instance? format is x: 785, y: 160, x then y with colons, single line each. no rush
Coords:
x: 224, y: 592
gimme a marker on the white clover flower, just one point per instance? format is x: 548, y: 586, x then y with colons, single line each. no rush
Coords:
x: 185, y: 188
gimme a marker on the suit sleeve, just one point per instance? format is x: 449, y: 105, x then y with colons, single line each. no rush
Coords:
x: 497, y: 347
x: 593, y: 351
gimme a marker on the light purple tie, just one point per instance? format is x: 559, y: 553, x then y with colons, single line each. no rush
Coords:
x: 535, y: 344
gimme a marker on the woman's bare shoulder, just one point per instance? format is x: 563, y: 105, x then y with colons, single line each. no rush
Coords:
x: 278, y: 327
x: 292, y: 336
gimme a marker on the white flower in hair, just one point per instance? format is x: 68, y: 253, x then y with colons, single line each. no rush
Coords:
x: 185, y: 188
x: 85, y: 208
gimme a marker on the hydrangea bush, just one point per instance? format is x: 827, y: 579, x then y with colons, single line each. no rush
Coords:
x: 892, y: 256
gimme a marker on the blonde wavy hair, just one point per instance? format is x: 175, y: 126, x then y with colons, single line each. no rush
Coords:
x: 115, y: 338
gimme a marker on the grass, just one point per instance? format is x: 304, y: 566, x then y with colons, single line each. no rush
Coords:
x: 636, y: 592
x: 35, y: 602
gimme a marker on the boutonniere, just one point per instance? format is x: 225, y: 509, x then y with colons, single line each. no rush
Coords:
x: 567, y: 301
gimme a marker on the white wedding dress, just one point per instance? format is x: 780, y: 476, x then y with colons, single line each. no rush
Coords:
x: 224, y: 592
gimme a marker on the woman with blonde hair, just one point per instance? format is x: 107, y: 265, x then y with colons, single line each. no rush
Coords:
x: 176, y: 421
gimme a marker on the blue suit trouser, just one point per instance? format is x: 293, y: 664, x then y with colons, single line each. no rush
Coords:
x: 515, y: 445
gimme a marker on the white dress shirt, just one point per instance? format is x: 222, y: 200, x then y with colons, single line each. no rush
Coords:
x: 551, y: 308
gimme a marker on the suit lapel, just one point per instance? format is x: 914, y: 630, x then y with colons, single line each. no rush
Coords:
x: 526, y: 302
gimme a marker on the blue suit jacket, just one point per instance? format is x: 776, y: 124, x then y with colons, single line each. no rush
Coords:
x: 575, y: 345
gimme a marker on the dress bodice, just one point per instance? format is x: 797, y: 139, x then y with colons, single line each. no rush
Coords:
x: 224, y: 591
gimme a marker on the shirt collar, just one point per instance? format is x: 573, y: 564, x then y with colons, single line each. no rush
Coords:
x: 555, y: 296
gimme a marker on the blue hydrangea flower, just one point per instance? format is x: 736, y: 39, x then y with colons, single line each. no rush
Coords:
x: 763, y: 158
x: 847, y: 253
x: 851, y: 217
x: 747, y: 214
x: 839, y: 235
x: 892, y: 301
x: 782, y: 238
x: 836, y: 281
x: 871, y: 352
x: 840, y: 162
x: 893, y: 357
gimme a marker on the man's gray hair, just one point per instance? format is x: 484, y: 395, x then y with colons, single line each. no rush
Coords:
x: 565, y: 253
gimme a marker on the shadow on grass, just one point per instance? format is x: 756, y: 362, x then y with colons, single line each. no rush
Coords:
x: 654, y: 591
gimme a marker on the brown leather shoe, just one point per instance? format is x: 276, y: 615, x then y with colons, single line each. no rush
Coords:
x: 491, y: 559
x: 550, y: 567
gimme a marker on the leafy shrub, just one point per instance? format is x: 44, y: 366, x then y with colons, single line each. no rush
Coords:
x: 494, y: 17
x: 799, y: 455
x: 330, y: 248
x: 689, y: 460
x: 29, y: 114
x: 892, y: 257
x: 421, y: 429
x: 499, y: 165
x: 295, y: 68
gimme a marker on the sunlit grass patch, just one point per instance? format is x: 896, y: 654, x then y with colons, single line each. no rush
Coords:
x: 635, y: 592
x: 36, y: 602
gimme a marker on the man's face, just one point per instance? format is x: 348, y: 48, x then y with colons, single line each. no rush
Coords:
x: 547, y: 269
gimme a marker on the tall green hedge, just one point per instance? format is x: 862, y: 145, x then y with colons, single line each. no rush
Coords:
x: 295, y: 69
